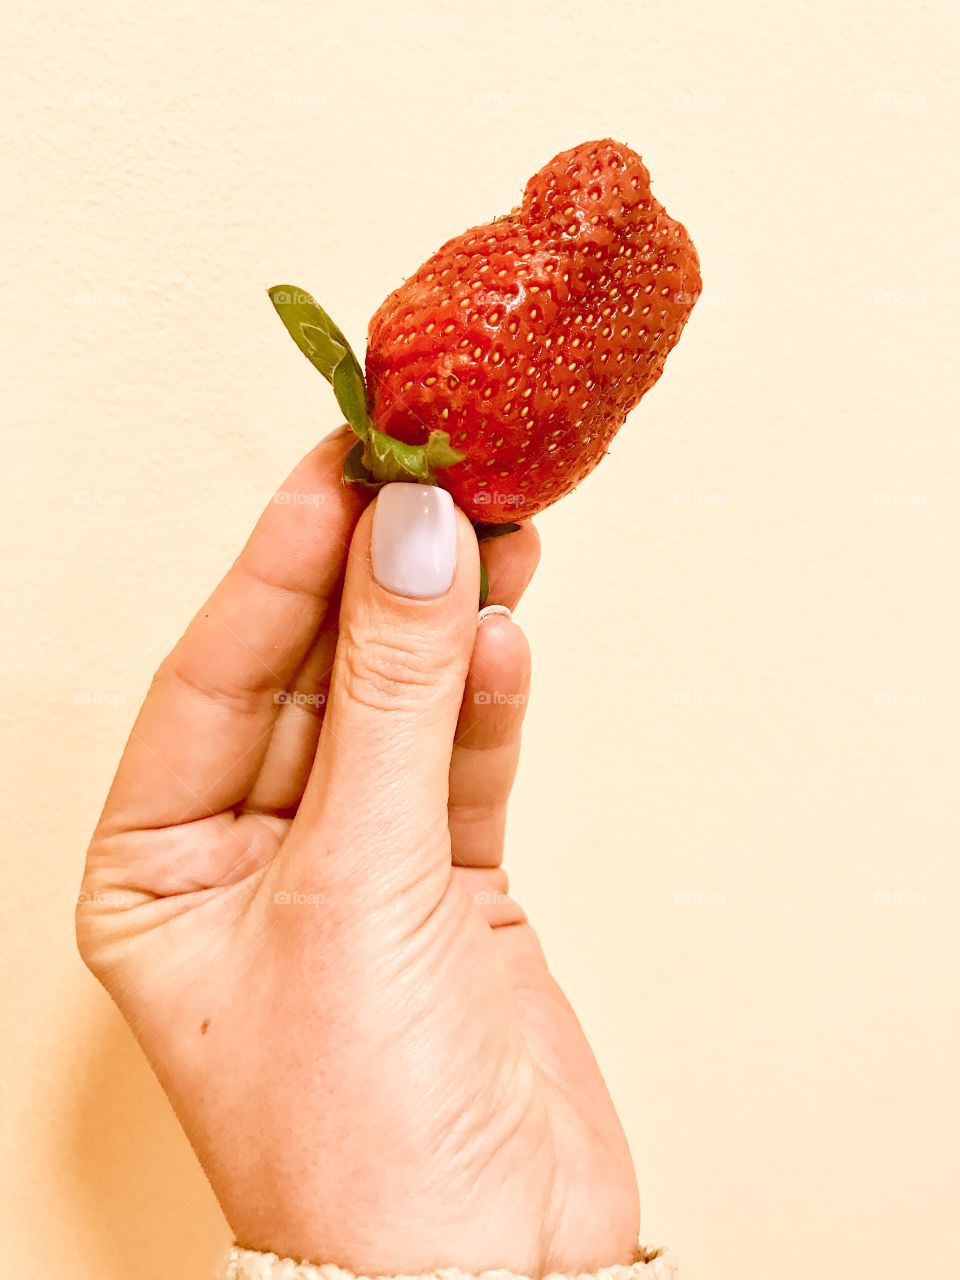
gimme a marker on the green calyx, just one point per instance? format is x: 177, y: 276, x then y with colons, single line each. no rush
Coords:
x: 486, y: 531
x: 377, y: 458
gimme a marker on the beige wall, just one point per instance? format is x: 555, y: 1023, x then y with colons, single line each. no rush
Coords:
x: 732, y: 822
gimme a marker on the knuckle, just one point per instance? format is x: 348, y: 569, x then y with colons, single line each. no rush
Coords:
x: 86, y: 931
x: 391, y: 668
x: 98, y: 903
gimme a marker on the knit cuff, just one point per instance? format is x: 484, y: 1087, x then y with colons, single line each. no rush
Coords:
x: 245, y: 1264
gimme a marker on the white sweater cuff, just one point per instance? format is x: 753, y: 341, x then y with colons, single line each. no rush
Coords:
x: 245, y: 1264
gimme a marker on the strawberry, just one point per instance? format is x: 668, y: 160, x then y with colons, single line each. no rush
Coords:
x: 503, y: 368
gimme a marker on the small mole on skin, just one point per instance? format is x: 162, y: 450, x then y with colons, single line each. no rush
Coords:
x: 204, y: 1025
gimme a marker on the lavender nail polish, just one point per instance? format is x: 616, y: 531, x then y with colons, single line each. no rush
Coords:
x: 414, y: 540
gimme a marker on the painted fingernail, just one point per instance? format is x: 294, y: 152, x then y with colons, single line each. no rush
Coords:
x: 493, y: 611
x: 414, y: 540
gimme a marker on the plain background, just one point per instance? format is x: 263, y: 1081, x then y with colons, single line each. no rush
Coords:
x: 735, y: 821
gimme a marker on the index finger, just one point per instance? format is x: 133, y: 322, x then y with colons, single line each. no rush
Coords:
x: 200, y: 737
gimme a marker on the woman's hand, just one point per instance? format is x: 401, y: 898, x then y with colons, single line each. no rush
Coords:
x: 295, y: 896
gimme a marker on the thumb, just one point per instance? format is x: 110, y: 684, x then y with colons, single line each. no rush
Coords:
x: 408, y: 621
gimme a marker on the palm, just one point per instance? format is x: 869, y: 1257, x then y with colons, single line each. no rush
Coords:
x: 431, y: 1026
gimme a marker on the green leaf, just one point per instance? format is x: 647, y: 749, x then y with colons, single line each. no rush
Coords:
x: 486, y: 531
x: 324, y: 345
x: 326, y: 352
x: 320, y: 340
x: 351, y: 392
x: 484, y: 584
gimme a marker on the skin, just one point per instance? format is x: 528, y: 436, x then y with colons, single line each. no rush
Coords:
x: 300, y: 909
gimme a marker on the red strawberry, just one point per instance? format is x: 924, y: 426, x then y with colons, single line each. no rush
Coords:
x: 503, y: 368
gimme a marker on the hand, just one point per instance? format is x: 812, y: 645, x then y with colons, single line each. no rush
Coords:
x: 299, y: 907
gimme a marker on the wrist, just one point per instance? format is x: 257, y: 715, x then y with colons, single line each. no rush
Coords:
x: 248, y: 1264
